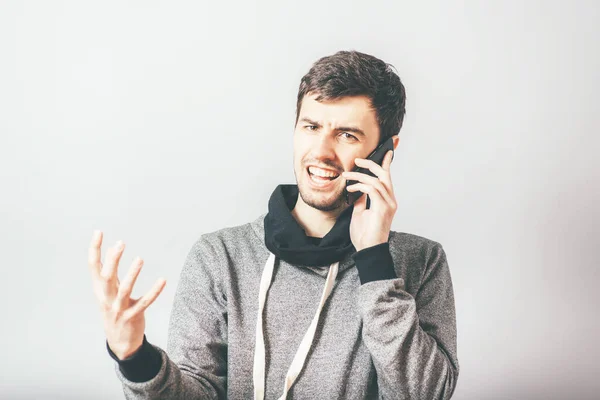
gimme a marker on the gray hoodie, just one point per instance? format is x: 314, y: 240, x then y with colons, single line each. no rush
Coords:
x: 390, y: 339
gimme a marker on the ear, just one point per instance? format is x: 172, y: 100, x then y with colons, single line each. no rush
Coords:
x: 396, y: 140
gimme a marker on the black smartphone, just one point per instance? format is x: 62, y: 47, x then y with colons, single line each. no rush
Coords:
x: 377, y: 156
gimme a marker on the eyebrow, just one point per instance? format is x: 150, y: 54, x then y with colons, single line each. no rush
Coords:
x: 339, y: 128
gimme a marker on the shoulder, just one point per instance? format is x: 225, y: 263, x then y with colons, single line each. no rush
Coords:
x: 226, y: 234
x: 231, y: 242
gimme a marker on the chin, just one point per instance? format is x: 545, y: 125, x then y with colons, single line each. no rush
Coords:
x: 322, y: 201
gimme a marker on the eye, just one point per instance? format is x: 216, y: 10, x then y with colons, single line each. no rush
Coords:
x: 310, y: 127
x: 352, y: 137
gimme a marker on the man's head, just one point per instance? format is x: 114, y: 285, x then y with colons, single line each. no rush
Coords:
x: 347, y: 104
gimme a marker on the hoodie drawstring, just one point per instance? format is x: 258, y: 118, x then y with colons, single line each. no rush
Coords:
x: 302, y: 352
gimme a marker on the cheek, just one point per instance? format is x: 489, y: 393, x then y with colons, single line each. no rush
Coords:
x: 348, y: 160
x: 301, y: 147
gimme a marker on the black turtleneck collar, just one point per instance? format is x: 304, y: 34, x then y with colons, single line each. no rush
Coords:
x: 286, y: 239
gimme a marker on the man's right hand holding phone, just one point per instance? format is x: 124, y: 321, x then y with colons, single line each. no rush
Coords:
x: 124, y: 322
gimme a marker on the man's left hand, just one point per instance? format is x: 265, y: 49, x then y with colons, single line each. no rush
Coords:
x: 372, y: 227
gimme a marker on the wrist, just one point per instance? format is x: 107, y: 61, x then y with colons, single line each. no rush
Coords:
x: 124, y: 352
x: 141, y: 366
x: 364, y: 246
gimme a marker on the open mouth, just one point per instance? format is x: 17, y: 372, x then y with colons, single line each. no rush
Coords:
x: 320, y: 176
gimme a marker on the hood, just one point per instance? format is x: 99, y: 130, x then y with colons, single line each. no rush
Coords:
x: 287, y: 240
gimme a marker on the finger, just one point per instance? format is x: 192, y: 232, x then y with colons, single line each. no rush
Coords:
x: 369, y: 180
x: 387, y: 178
x: 364, y: 178
x: 145, y: 301
x: 111, y: 263
x: 387, y: 162
x: 370, y: 165
x: 126, y: 287
x: 382, y: 174
x: 360, y: 176
x: 94, y: 254
x: 373, y: 193
x: 110, y: 280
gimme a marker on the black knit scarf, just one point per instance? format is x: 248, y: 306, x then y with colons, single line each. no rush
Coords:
x: 285, y: 238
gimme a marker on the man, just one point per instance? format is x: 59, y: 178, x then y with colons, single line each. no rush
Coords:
x: 316, y: 299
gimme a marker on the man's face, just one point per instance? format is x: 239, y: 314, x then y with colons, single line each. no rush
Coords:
x: 328, y: 136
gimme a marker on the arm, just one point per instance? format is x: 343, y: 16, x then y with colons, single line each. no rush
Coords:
x: 196, y: 364
x: 412, y: 339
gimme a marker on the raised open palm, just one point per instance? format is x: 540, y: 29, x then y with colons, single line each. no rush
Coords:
x: 124, y: 322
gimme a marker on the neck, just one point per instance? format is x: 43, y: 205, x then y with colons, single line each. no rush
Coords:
x: 316, y: 223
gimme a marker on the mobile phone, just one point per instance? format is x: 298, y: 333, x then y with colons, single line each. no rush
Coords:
x: 377, y: 156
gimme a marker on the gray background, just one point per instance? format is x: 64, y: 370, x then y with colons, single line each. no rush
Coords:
x: 159, y: 121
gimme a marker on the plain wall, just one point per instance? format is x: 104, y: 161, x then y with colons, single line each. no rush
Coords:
x: 156, y: 122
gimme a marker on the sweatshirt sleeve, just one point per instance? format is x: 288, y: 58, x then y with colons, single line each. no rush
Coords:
x: 142, y: 365
x: 412, y: 340
x: 195, y: 363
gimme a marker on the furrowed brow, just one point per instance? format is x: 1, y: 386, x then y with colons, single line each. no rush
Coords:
x: 351, y: 129
x: 310, y: 121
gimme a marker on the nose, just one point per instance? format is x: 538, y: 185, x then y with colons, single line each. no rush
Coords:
x: 323, y: 148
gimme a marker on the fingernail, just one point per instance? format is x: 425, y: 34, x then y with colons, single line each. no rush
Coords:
x: 119, y: 245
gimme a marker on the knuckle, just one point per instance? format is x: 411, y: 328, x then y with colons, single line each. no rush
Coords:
x: 93, y: 263
x: 116, y: 310
x: 127, y: 316
x: 114, y: 307
x: 106, y: 308
x: 105, y: 275
x: 130, y: 314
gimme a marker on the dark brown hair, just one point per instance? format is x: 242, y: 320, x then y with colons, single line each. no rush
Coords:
x: 352, y: 73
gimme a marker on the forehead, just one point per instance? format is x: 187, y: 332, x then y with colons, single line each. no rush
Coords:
x: 351, y: 110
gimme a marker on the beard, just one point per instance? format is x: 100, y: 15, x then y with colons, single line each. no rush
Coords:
x: 320, y: 200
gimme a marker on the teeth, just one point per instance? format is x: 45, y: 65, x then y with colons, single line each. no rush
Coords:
x: 322, y: 172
